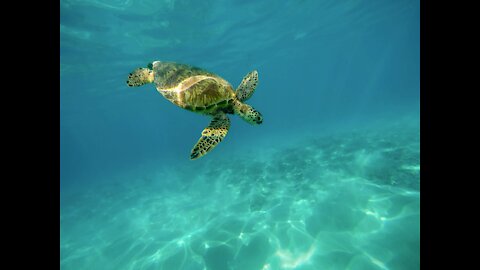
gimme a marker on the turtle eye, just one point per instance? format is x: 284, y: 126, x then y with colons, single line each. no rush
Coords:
x: 150, y: 66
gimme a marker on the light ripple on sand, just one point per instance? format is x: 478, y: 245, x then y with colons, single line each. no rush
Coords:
x: 280, y: 212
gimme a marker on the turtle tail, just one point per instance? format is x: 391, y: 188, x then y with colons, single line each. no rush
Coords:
x: 139, y: 77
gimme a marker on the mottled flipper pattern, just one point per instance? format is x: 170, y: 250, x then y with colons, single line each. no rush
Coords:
x: 247, y: 86
x: 139, y: 77
x: 211, y: 135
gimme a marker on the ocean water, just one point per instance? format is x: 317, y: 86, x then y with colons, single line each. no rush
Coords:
x: 329, y: 180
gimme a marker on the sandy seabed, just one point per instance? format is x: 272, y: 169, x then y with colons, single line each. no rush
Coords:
x: 349, y: 201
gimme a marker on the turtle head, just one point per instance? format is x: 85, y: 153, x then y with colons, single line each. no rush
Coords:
x: 247, y: 113
x: 254, y: 117
x: 141, y: 76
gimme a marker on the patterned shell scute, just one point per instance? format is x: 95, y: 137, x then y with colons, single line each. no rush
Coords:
x: 192, y: 88
x: 205, y: 93
x: 169, y: 75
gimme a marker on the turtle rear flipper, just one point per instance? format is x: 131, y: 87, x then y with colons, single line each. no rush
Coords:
x: 246, y: 88
x: 211, y: 135
x: 140, y: 76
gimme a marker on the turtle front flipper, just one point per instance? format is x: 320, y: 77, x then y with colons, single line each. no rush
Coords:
x: 211, y: 135
x: 247, y: 86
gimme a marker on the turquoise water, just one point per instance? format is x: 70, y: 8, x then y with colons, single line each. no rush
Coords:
x: 330, y: 180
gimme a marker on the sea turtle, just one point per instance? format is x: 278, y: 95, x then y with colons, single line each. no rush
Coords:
x: 203, y: 92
